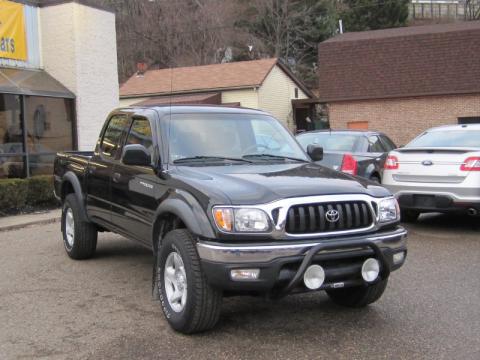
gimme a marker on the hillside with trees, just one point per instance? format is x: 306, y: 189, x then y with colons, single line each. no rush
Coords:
x: 165, y: 33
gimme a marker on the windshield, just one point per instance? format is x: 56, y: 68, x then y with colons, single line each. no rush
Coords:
x: 451, y: 138
x: 332, y: 141
x: 232, y: 136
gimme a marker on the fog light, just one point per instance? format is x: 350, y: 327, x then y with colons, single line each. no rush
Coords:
x: 314, y: 277
x: 244, y: 274
x: 398, y: 257
x: 370, y: 269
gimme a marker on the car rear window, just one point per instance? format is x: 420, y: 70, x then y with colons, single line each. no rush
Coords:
x: 332, y: 142
x: 452, y: 138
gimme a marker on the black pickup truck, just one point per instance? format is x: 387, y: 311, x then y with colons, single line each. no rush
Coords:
x: 230, y: 204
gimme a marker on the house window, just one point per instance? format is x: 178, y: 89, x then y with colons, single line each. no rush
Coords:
x: 296, y: 93
x: 469, y: 120
x: 357, y: 125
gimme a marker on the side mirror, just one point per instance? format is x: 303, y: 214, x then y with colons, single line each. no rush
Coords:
x: 136, y: 154
x: 315, y: 152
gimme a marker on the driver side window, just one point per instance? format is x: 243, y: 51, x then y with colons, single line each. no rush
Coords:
x: 141, y: 133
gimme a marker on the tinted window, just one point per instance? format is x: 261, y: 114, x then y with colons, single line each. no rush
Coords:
x: 376, y: 145
x: 141, y: 133
x: 387, y: 143
x: 448, y: 138
x: 331, y: 141
x: 112, y: 135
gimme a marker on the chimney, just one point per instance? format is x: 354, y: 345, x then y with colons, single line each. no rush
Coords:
x: 141, y: 68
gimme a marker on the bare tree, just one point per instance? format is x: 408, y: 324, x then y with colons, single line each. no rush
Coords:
x: 472, y: 9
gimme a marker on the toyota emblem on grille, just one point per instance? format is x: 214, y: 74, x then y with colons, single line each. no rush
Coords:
x: 427, y: 162
x: 332, y: 216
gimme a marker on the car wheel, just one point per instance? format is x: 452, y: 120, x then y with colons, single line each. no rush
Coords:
x: 358, y: 296
x: 79, y: 237
x: 409, y: 216
x: 188, y: 302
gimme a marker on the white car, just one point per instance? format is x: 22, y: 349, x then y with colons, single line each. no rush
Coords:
x: 439, y: 171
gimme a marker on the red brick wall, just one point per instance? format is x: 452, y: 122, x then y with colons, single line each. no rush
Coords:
x: 403, y: 119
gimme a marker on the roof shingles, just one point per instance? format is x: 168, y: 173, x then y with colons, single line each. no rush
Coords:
x: 240, y: 74
x: 429, y: 60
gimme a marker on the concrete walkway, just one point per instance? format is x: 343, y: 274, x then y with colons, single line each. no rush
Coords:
x: 19, y: 221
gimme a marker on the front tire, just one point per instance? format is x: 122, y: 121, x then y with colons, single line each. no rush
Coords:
x: 357, y: 297
x: 188, y: 302
x: 79, y: 237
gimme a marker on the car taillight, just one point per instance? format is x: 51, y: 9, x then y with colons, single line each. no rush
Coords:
x: 471, y: 164
x: 349, y: 165
x: 391, y: 163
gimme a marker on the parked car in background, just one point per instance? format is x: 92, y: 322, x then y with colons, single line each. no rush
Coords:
x: 439, y: 171
x: 354, y: 152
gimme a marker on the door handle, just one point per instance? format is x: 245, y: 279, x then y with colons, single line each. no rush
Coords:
x: 116, y: 177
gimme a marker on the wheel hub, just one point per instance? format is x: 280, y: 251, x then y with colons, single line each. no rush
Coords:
x: 69, y: 227
x: 175, y: 280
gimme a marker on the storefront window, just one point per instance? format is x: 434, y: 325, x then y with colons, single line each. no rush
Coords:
x: 49, y: 125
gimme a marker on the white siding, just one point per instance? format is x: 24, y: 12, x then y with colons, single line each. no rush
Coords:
x: 79, y: 50
x: 246, y: 97
x: 276, y: 94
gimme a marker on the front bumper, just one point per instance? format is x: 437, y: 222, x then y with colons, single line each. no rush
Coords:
x: 282, y: 264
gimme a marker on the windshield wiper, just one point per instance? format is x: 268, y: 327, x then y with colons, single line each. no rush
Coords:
x: 274, y: 157
x: 208, y: 158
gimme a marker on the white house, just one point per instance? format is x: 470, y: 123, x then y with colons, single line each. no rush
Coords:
x: 264, y: 84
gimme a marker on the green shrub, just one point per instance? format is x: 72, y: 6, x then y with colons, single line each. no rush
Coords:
x: 13, y: 194
x: 18, y: 194
x: 40, y: 190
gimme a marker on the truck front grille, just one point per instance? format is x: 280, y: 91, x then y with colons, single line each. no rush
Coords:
x: 313, y: 218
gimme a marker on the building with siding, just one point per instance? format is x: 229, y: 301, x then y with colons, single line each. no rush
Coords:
x: 58, y: 80
x: 264, y: 84
x: 402, y: 81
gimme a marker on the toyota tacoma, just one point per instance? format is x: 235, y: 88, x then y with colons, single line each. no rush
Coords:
x: 229, y: 204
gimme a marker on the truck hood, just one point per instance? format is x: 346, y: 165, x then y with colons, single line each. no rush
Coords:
x: 264, y: 183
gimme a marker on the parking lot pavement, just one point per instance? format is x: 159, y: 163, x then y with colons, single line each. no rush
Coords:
x: 56, y: 308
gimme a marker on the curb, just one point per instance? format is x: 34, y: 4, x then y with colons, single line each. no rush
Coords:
x: 30, y: 223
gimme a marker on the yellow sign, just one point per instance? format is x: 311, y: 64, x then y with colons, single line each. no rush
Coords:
x: 12, y: 31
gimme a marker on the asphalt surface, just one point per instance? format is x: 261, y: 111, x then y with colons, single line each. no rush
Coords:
x: 56, y: 308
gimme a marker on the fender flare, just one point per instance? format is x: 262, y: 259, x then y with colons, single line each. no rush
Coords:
x: 186, y: 208
x: 70, y: 177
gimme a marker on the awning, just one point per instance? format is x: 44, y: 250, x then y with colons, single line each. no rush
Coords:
x: 31, y: 82
x: 201, y: 98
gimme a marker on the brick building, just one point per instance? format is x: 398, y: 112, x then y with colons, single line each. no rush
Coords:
x: 402, y: 81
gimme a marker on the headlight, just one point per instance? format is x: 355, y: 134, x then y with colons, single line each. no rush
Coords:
x: 241, y: 220
x: 389, y: 210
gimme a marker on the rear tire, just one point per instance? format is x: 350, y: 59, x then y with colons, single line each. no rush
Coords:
x: 357, y: 297
x: 409, y: 216
x: 79, y: 237
x: 197, y: 310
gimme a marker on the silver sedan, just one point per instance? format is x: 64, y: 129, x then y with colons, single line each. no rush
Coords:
x: 439, y: 171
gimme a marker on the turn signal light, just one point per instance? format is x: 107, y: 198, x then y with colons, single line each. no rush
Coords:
x: 349, y: 165
x: 471, y: 164
x: 224, y: 218
x: 391, y: 163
